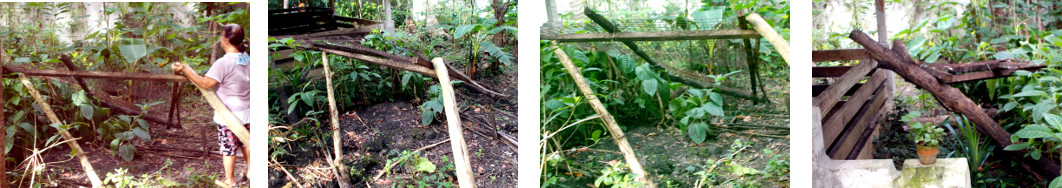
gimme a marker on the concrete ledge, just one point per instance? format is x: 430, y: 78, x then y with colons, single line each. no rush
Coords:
x: 949, y: 172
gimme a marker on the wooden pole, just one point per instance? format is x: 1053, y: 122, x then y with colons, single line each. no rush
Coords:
x: 654, y: 36
x: 610, y: 123
x: 89, y: 171
x: 765, y: 30
x: 98, y: 74
x: 333, y: 114
x: 462, y: 167
x: 230, y: 119
x: 883, y: 38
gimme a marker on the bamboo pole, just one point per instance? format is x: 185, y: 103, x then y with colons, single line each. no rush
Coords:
x: 334, y: 120
x: 462, y: 167
x: 89, y: 171
x: 765, y: 30
x: 610, y: 123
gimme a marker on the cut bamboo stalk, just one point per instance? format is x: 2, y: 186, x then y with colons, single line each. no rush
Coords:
x: 610, y: 123
x: 462, y: 167
x: 334, y: 120
x: 765, y: 30
x: 89, y: 171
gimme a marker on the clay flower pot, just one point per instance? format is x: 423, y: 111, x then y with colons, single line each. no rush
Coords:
x: 927, y: 154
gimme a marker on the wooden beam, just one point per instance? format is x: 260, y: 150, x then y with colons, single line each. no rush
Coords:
x: 832, y: 71
x: 765, y: 30
x: 462, y: 167
x: 833, y: 127
x: 337, y: 137
x: 97, y: 74
x: 70, y: 140
x: 65, y: 59
x: 654, y: 36
x: 860, y: 123
x: 613, y: 128
x: 838, y: 55
x: 828, y: 98
x: 864, y: 144
x: 953, y: 99
x: 817, y: 89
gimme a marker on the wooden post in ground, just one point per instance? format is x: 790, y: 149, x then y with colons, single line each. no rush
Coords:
x: 765, y: 30
x: 462, y: 168
x: 610, y: 123
x: 341, y: 169
x: 89, y: 171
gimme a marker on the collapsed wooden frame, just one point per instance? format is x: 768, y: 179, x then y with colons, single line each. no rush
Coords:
x: 932, y: 78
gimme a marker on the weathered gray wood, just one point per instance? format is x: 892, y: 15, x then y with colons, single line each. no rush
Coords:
x: 859, y: 124
x: 828, y: 98
x: 653, y: 36
x: 462, y: 167
x: 863, y: 144
x: 831, y: 128
x: 70, y: 140
x: 97, y: 74
x: 613, y: 128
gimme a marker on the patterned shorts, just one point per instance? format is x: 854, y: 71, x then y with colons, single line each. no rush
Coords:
x: 228, y: 141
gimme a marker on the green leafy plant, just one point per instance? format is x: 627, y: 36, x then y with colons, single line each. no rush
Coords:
x: 923, y: 134
x: 616, y: 174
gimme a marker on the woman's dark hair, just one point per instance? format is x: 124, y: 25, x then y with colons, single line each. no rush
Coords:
x: 234, y: 33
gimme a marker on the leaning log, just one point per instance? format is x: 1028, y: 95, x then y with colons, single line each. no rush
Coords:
x: 89, y: 171
x: 611, y: 28
x: 97, y: 74
x: 337, y: 138
x: 654, y: 36
x: 462, y: 167
x: 613, y: 128
x: 779, y: 43
x: 951, y: 98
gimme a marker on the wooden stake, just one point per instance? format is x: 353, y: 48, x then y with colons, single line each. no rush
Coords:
x: 89, y: 171
x: 336, y: 135
x: 462, y: 168
x: 765, y: 30
x: 613, y: 128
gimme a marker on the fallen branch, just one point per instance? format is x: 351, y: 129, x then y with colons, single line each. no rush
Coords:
x: 47, y: 109
x: 281, y: 168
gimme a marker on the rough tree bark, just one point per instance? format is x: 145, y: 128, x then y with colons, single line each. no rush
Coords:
x: 949, y: 97
x: 343, y: 178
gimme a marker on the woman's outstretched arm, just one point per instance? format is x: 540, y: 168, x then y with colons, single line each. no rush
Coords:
x: 187, y: 71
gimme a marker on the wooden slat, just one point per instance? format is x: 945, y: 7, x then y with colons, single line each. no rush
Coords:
x: 860, y: 124
x: 819, y: 88
x: 835, y: 108
x: 98, y: 74
x: 864, y: 147
x: 832, y: 127
x: 832, y: 71
x: 828, y: 98
x: 653, y: 36
x: 839, y: 55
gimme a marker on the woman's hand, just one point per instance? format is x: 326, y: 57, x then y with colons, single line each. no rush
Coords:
x: 177, y: 67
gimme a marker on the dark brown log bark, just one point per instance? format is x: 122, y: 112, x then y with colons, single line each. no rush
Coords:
x: 953, y: 99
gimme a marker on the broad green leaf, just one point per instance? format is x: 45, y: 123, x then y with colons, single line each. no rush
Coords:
x: 718, y: 99
x: 87, y: 111
x: 1016, y: 147
x: 423, y: 165
x: 713, y: 109
x: 738, y: 170
x: 709, y: 17
x: 1034, y: 131
x: 426, y: 118
x: 79, y: 98
x: 127, y: 151
x: 650, y: 86
x: 697, y: 132
x: 1053, y: 120
x: 461, y: 30
x: 133, y: 50
x: 1057, y: 182
x: 1029, y: 93
x: 143, y: 134
x: 307, y: 98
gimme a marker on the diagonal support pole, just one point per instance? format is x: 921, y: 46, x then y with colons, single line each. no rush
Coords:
x: 47, y: 109
x: 462, y: 167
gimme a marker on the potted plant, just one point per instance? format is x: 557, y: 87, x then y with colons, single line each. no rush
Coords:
x: 927, y: 139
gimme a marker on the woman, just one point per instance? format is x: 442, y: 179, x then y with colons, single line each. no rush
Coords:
x: 230, y: 79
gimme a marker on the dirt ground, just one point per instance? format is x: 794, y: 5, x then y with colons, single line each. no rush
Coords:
x: 375, y: 134
x: 673, y: 159
x: 185, y: 150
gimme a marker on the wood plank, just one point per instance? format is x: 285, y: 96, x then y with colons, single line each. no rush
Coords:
x: 864, y: 147
x: 817, y: 89
x: 835, y: 108
x: 833, y: 127
x: 653, y: 36
x: 462, y: 167
x: 828, y: 98
x: 857, y: 135
x: 831, y: 71
x: 98, y: 74
x: 839, y: 55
